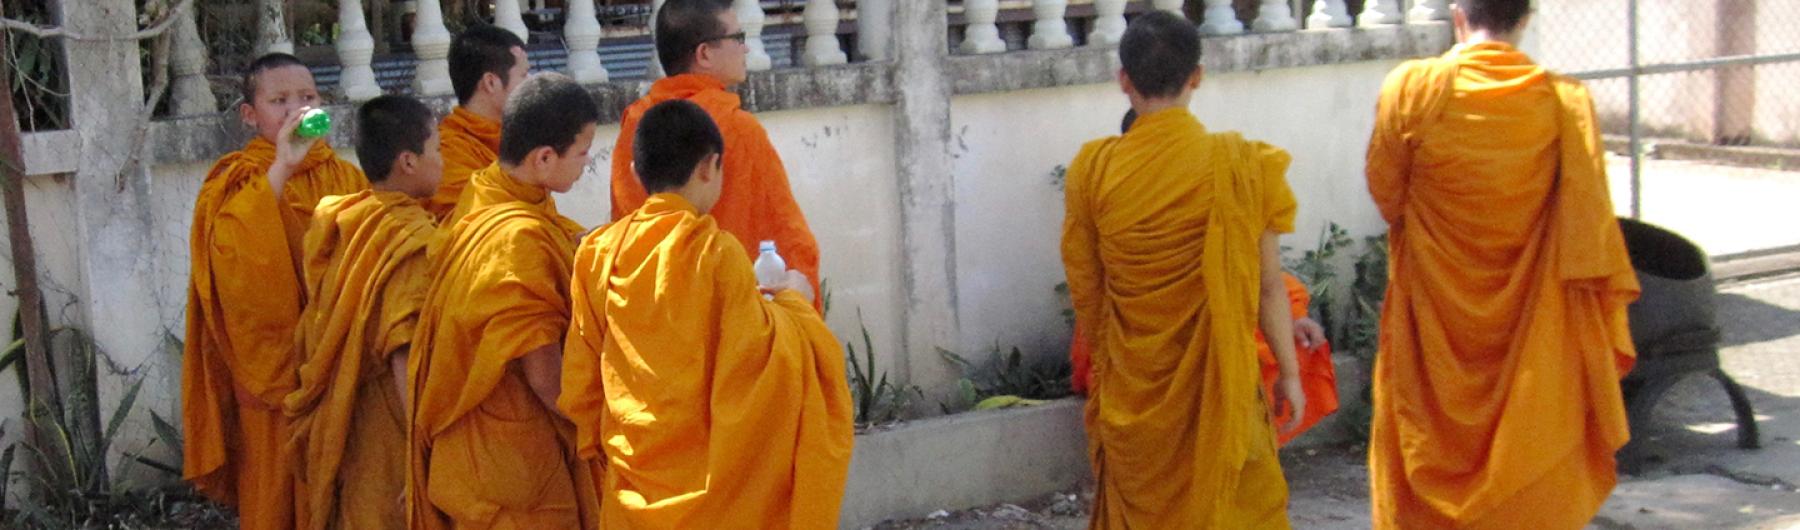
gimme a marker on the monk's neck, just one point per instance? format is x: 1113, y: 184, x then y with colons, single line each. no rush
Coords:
x: 521, y: 176
x: 1153, y: 106
x: 1481, y: 36
x: 484, y: 109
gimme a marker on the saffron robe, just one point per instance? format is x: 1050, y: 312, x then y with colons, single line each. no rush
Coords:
x: 1161, y: 246
x: 485, y: 451
x: 469, y: 143
x: 244, y: 300
x: 1503, y: 334
x: 706, y: 404
x: 365, y: 276
x: 756, y: 203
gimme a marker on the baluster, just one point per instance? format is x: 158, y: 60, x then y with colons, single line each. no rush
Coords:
x: 581, y: 33
x: 355, y: 49
x: 508, y: 15
x: 1379, y: 13
x: 1050, y: 32
x: 1221, y: 19
x: 1428, y: 11
x: 1274, y: 15
x: 751, y: 19
x: 1109, y: 23
x: 1329, y: 14
x: 191, y: 93
x: 822, y: 48
x: 981, y: 35
x: 431, y: 41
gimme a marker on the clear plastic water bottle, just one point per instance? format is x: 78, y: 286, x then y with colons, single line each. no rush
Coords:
x: 771, y: 270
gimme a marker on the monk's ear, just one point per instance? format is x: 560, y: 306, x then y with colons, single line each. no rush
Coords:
x: 1193, y: 81
x: 247, y: 113
x: 1125, y: 83
x: 492, y: 83
x: 407, y: 162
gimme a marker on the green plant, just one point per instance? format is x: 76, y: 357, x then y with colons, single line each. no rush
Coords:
x: 1059, y: 177
x: 878, y: 400
x: 1068, y: 308
x: 1009, y: 376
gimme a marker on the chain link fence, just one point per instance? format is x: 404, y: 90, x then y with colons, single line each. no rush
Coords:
x: 1696, y: 104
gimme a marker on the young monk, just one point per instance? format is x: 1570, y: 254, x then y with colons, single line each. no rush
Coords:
x: 486, y: 64
x: 1503, y: 336
x: 245, y: 295
x: 1170, y: 242
x: 702, y: 48
x: 489, y: 449
x: 365, y: 277
x: 708, y: 405
x: 1318, y: 376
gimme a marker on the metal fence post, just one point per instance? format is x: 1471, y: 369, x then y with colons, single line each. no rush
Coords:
x: 1636, y: 141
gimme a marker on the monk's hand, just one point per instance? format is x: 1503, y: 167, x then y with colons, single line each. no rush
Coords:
x: 1290, y: 396
x: 797, y: 282
x: 1309, y: 333
x: 289, y: 149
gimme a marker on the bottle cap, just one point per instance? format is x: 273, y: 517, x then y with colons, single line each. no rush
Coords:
x: 766, y: 246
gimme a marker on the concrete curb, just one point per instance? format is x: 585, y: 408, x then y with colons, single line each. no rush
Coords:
x: 1776, y: 158
x: 964, y: 461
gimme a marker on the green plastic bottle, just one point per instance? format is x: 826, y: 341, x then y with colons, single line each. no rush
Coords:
x: 313, y: 124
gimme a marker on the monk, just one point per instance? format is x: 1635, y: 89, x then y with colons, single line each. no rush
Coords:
x: 486, y: 63
x: 488, y: 448
x: 1170, y: 244
x: 708, y: 405
x: 1318, y: 376
x: 1503, y: 335
x: 245, y: 295
x: 365, y: 277
x: 702, y: 48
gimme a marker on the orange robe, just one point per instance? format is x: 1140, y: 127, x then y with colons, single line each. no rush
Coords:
x: 1318, y: 377
x: 244, y: 300
x: 709, y: 406
x: 366, y: 274
x: 1161, y: 246
x: 469, y: 143
x: 485, y: 451
x: 1503, y: 335
x: 756, y: 204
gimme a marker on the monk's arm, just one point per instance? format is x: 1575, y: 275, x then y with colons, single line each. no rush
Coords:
x: 1080, y: 247
x: 397, y: 364
x: 1277, y: 323
x: 543, y: 373
x: 1389, y: 159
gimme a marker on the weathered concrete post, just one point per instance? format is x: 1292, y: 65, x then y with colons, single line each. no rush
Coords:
x: 927, y: 191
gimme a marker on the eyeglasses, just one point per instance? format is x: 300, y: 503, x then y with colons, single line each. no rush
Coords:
x: 739, y: 37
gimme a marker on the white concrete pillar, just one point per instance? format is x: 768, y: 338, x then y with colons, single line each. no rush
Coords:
x: 981, y: 35
x: 191, y: 93
x: 1274, y: 15
x: 508, y: 15
x: 822, y: 48
x: 1380, y: 13
x: 1221, y: 19
x: 431, y: 41
x: 751, y: 18
x: 1329, y: 14
x: 1172, y: 6
x: 581, y: 33
x: 355, y: 49
x: 1109, y: 23
x: 875, y: 29
x: 1050, y: 32
x: 271, y: 27
x: 1429, y: 11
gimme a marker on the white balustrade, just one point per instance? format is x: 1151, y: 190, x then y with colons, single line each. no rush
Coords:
x: 508, y: 15
x: 1429, y: 11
